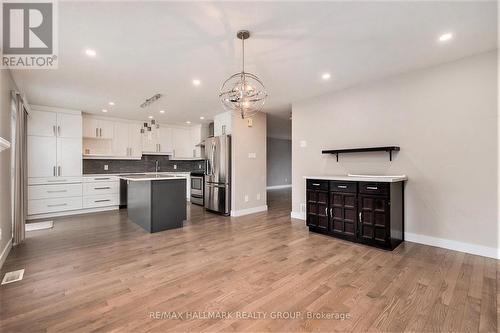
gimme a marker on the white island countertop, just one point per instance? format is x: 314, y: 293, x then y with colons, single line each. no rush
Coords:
x: 361, y: 178
x: 151, y: 177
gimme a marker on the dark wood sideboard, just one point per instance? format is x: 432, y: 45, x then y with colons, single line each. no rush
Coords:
x: 371, y: 213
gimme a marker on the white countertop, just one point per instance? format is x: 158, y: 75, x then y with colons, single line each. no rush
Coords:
x: 151, y: 177
x: 362, y: 178
x: 137, y: 173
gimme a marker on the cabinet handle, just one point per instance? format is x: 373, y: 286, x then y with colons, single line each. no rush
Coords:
x: 58, y: 191
x: 326, y: 211
x: 102, y: 178
x: 331, y: 212
x: 342, y: 186
x: 96, y: 201
x: 102, y: 188
x: 59, y: 170
x: 96, y: 132
x: 360, y: 220
x: 59, y: 130
x: 316, y: 184
x: 58, y: 205
x: 54, y: 170
x: 372, y: 188
x: 54, y: 129
x: 159, y: 147
x: 100, y: 132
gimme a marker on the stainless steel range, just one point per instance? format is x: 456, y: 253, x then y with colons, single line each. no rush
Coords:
x: 197, y: 187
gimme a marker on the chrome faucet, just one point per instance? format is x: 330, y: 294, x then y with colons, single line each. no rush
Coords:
x: 157, y: 166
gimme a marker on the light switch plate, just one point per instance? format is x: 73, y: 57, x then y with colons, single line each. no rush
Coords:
x: 246, y: 198
x: 175, y: 166
x: 106, y: 167
x: 303, y: 143
x: 252, y: 155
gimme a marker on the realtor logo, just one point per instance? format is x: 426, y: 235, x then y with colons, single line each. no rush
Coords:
x: 29, y: 35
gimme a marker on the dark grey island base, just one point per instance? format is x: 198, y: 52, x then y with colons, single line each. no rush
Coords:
x: 157, y: 204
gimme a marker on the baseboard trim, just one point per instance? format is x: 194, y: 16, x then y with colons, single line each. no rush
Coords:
x: 71, y: 212
x: 276, y: 187
x: 248, y: 211
x: 5, y: 252
x: 298, y: 216
x: 479, y: 250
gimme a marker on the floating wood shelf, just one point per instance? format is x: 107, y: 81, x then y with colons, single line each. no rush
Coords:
x: 388, y: 149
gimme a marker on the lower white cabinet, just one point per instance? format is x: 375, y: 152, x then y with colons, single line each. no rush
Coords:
x: 44, y: 206
x: 36, y: 192
x: 101, y: 200
x: 101, y: 191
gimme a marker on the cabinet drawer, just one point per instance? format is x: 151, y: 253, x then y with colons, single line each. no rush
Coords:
x: 53, y: 180
x: 100, y: 179
x: 43, y: 206
x: 346, y: 187
x: 54, y: 191
x: 102, y: 200
x: 317, y: 184
x: 374, y: 188
x: 99, y: 188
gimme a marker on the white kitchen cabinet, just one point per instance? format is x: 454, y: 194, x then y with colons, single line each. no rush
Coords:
x: 42, y: 156
x: 42, y: 123
x: 127, y: 140
x: 196, y: 139
x: 120, y: 140
x: 223, y: 123
x: 182, y: 143
x: 165, y: 139
x: 150, y: 141
x: 69, y: 126
x: 97, y: 128
x: 135, y: 140
x: 69, y: 157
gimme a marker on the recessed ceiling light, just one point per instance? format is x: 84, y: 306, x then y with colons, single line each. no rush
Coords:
x: 445, y: 37
x: 111, y: 103
x: 162, y: 111
x: 201, y: 118
x: 150, y: 117
x: 188, y: 122
x: 104, y: 110
x: 325, y: 76
x: 196, y: 82
x: 90, y: 52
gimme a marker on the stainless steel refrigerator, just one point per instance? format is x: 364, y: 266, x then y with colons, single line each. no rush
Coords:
x: 218, y: 174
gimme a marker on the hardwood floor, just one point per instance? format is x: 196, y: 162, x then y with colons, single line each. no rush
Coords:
x: 103, y: 273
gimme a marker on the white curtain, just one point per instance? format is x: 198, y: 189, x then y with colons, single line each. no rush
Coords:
x: 20, y: 177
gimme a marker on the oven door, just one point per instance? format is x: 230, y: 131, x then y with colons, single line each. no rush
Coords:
x: 197, y: 186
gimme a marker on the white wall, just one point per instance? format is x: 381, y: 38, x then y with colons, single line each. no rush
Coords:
x: 248, y: 174
x: 6, y: 85
x: 444, y: 118
x: 279, y: 162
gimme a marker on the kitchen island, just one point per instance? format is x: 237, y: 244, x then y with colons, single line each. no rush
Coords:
x: 156, y: 202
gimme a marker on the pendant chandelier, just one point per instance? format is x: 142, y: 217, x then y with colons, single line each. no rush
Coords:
x: 243, y: 92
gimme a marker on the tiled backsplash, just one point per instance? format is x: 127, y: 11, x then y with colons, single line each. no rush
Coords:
x: 145, y: 164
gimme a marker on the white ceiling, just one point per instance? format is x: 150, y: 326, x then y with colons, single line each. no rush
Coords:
x: 149, y: 47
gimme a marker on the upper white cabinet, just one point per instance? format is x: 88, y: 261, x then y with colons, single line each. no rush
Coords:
x: 54, y: 143
x: 127, y: 141
x: 42, y: 123
x: 182, y: 143
x: 97, y: 128
x: 223, y: 123
x: 69, y: 126
x: 158, y: 141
